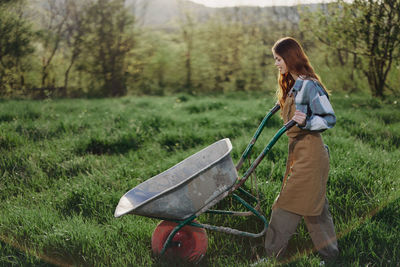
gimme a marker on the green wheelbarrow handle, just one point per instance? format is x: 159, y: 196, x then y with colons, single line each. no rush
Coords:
x: 256, y: 135
x: 260, y: 157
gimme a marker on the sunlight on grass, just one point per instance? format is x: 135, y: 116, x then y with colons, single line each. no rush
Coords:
x: 65, y: 164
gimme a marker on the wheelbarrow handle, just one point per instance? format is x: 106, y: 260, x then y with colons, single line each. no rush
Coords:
x: 275, y: 108
x: 260, y: 157
x: 256, y: 135
x: 290, y: 124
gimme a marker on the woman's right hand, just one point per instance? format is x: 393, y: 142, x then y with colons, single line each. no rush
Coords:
x: 300, y: 118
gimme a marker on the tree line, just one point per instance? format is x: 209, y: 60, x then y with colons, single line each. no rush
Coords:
x: 100, y: 48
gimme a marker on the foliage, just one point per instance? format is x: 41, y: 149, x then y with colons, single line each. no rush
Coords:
x: 97, y: 48
x: 15, y: 46
x: 101, y: 48
x: 64, y: 164
x: 108, y: 46
x: 366, y: 30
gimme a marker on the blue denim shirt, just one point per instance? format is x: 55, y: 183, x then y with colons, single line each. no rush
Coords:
x: 313, y: 100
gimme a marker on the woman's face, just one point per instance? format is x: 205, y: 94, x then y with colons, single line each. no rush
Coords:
x: 280, y: 63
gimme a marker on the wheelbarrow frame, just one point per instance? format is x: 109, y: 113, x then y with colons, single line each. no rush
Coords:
x: 237, y: 186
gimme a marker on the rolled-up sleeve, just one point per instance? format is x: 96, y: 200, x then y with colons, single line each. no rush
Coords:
x: 320, y: 114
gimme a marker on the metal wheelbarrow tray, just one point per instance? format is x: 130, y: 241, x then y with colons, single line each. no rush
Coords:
x: 186, y: 188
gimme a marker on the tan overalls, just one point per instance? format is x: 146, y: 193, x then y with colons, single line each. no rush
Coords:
x: 303, y: 193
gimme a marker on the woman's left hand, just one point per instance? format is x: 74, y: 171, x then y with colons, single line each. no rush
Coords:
x: 299, y: 117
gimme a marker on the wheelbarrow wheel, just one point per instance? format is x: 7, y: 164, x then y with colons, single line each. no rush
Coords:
x: 189, y: 243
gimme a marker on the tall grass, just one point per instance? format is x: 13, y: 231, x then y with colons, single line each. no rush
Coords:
x: 65, y: 164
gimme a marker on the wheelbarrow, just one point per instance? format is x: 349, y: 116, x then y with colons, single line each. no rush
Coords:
x: 180, y: 194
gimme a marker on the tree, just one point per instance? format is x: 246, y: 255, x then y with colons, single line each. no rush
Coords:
x: 187, y: 23
x: 76, y: 29
x: 15, y: 45
x: 110, y: 42
x: 54, y: 19
x: 367, y: 29
x: 223, y: 40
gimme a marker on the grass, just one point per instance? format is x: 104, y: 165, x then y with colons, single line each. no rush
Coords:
x: 64, y: 164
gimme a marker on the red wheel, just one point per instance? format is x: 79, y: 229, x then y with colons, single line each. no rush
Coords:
x: 189, y: 243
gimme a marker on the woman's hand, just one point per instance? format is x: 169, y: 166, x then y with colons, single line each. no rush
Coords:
x: 299, y: 117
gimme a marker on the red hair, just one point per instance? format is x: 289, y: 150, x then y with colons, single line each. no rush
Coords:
x: 297, y: 63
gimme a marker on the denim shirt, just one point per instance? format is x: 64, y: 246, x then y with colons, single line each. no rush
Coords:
x: 313, y: 100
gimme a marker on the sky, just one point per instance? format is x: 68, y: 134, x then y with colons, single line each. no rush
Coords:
x: 262, y: 3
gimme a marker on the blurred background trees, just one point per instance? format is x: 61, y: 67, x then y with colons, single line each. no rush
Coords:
x: 365, y: 34
x: 16, y: 44
x: 109, y: 48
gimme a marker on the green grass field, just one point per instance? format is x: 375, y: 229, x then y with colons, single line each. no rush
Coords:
x: 64, y: 164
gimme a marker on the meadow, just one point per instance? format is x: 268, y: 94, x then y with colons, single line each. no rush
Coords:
x: 64, y: 164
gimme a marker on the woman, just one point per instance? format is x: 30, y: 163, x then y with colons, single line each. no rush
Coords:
x: 303, y: 98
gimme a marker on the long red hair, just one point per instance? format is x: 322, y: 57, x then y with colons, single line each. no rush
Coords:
x: 296, y: 62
